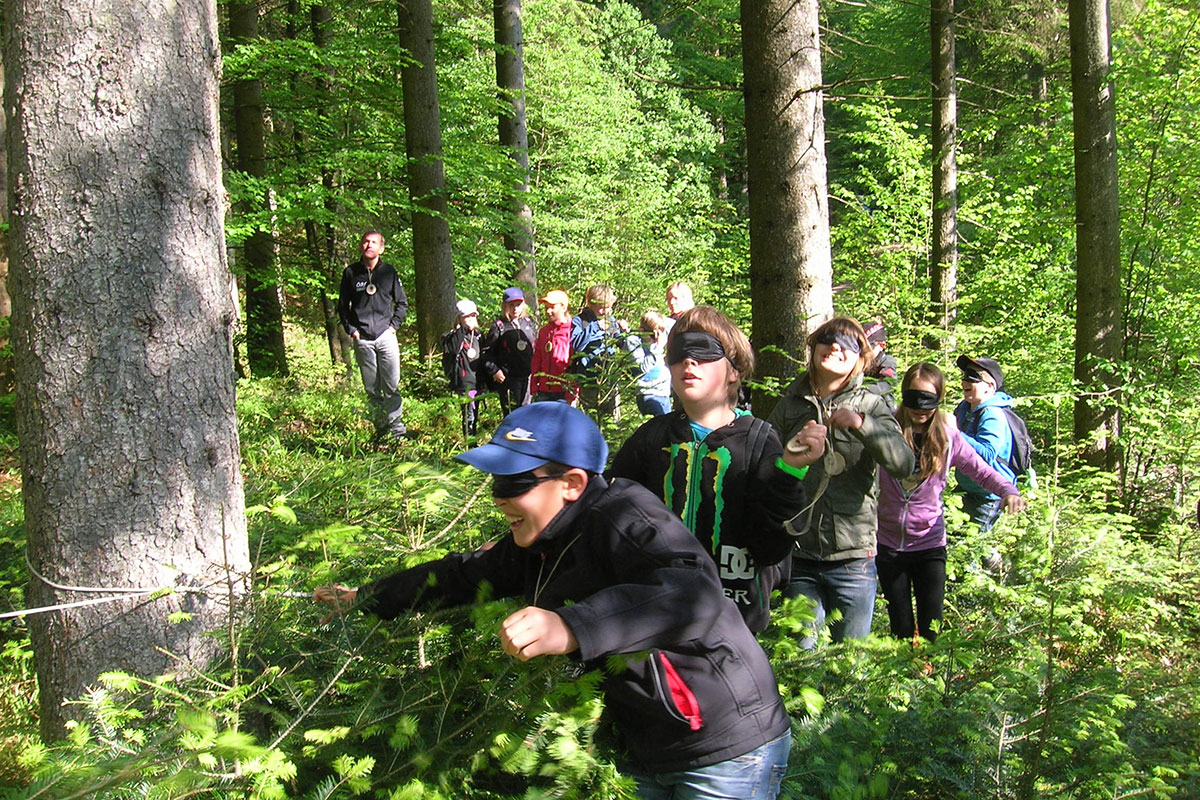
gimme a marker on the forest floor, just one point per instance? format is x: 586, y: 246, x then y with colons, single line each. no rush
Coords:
x: 1071, y: 673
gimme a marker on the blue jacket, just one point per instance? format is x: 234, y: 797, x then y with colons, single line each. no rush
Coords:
x: 592, y: 339
x: 986, y: 430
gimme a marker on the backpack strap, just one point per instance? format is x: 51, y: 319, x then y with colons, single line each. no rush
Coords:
x: 760, y: 431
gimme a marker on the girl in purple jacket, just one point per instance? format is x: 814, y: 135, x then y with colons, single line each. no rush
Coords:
x: 912, y: 527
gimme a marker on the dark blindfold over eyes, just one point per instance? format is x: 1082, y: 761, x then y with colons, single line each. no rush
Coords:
x: 516, y: 485
x: 846, y: 340
x: 698, y: 346
x: 918, y: 400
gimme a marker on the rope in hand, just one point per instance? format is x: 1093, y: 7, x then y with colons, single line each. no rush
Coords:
x: 121, y: 592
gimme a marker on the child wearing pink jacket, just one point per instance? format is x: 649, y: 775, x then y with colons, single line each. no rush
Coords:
x: 912, y: 527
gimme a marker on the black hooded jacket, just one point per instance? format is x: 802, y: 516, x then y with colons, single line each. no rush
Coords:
x: 729, y: 493
x: 694, y: 688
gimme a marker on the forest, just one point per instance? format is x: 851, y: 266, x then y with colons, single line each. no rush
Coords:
x: 185, y: 453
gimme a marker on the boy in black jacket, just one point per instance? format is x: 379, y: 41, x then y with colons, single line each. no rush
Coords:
x: 721, y: 470
x: 606, y: 570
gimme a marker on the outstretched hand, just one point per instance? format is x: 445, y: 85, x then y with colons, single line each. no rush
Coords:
x: 534, y: 631
x: 341, y: 598
x: 1014, y: 503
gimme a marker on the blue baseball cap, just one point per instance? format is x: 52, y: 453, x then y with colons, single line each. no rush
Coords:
x: 537, y: 433
x: 513, y: 293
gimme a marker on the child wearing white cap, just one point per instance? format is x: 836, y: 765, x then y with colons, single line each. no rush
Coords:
x: 460, y: 360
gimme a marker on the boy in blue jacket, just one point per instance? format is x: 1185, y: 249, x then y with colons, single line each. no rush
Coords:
x: 605, y: 569
x: 981, y: 419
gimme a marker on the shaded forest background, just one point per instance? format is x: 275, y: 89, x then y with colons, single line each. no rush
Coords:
x: 1071, y: 675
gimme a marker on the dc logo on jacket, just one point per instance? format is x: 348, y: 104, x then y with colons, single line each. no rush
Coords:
x: 736, y: 563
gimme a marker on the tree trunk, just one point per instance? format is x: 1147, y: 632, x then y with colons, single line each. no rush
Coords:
x: 510, y: 80
x: 790, y: 263
x: 1098, y: 334
x: 324, y: 259
x: 432, y: 261
x: 6, y: 365
x: 1039, y: 91
x: 265, y: 350
x: 122, y: 320
x: 943, y: 255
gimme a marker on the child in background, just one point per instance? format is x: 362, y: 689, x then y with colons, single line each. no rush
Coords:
x: 460, y: 355
x: 912, y: 526
x: 679, y: 300
x: 648, y: 351
x: 595, y: 338
x: 881, y: 375
x: 508, y: 351
x: 834, y: 563
x: 552, y: 352
x: 980, y: 417
x: 722, y: 471
x: 605, y: 570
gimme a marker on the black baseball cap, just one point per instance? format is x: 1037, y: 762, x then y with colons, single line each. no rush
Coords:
x: 982, y: 366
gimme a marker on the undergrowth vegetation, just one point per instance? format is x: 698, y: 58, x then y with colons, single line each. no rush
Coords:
x: 1071, y: 673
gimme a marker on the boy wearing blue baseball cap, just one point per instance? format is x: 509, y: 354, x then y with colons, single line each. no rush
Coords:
x: 605, y: 569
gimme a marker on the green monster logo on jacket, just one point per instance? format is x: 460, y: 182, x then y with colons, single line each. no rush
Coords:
x: 690, y: 458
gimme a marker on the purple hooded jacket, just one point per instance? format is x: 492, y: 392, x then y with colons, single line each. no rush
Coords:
x: 910, y: 512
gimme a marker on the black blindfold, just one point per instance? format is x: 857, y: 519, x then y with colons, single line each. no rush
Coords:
x: 846, y: 340
x: 696, y: 345
x: 918, y: 400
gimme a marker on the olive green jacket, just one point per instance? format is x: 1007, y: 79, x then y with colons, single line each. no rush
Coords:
x: 841, y: 522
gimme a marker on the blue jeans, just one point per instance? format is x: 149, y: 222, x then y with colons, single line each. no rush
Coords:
x: 653, y: 405
x: 756, y: 775
x: 379, y: 365
x: 847, y: 586
x: 983, y: 510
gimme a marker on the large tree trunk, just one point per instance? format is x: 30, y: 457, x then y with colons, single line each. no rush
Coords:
x: 790, y: 264
x: 1098, y: 334
x: 122, y: 319
x: 510, y: 80
x: 265, y: 349
x: 943, y: 255
x: 432, y: 262
x: 324, y: 258
x: 6, y: 366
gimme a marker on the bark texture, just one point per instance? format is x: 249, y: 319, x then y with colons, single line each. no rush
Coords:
x: 122, y: 320
x: 265, y: 349
x: 510, y: 80
x: 790, y: 263
x: 6, y: 365
x: 1098, y: 333
x: 322, y: 239
x: 943, y: 255
x: 432, y: 262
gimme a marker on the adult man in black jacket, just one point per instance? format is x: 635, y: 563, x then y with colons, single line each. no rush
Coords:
x: 372, y: 306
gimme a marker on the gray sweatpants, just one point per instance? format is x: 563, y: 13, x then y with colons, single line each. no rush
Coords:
x: 379, y: 365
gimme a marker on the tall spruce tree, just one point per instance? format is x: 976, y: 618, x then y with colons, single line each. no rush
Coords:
x: 790, y: 261
x: 265, y: 349
x: 122, y: 320
x: 432, y: 260
x: 1098, y: 309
